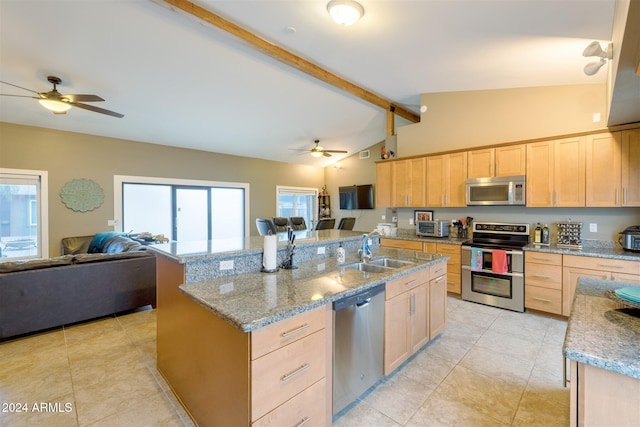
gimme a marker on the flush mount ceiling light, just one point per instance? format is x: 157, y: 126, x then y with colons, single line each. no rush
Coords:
x: 55, y: 106
x: 594, y: 49
x: 345, y: 12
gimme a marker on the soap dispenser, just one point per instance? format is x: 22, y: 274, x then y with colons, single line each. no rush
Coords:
x: 340, y: 254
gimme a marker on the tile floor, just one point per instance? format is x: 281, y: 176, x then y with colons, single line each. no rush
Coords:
x: 489, y: 367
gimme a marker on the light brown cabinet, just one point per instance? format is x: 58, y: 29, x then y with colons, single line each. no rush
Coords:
x: 415, y: 312
x: 499, y: 161
x: 575, y: 267
x: 408, y: 179
x: 630, y: 167
x: 556, y: 173
x: 543, y: 282
x: 601, y: 397
x: 446, y: 178
x: 454, y: 268
x: 604, y: 170
x: 407, y: 245
x: 383, y: 185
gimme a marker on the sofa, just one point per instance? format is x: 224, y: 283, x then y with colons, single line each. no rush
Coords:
x: 95, y: 276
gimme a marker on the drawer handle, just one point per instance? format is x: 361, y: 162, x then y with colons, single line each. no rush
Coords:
x: 541, y: 277
x: 440, y: 279
x: 303, y: 421
x: 540, y: 259
x: 295, y: 330
x: 287, y: 377
x: 610, y: 266
x: 542, y: 299
x: 410, y: 282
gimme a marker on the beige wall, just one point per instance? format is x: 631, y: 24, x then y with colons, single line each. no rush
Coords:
x: 68, y: 156
x: 354, y: 171
x: 458, y: 120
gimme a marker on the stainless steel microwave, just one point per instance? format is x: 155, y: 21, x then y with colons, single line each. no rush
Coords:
x: 499, y: 190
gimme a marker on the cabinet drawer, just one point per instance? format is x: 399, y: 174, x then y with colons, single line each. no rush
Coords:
x: 405, y: 283
x: 430, y: 248
x: 546, y: 276
x: 602, y: 264
x: 454, y: 283
x: 410, y: 245
x: 437, y: 270
x: 278, y: 376
x: 543, y: 299
x: 623, y: 277
x: 308, y: 407
x: 451, y: 250
x: 272, y: 337
x: 543, y: 258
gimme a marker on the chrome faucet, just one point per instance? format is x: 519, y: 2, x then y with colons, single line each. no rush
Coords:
x: 365, y: 251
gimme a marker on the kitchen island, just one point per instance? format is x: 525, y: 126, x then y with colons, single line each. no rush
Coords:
x: 603, y: 344
x: 256, y: 348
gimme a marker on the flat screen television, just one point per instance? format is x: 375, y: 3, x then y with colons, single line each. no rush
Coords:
x: 356, y: 197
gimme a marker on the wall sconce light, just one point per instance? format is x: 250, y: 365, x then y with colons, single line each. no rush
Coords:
x: 345, y: 12
x: 594, y: 49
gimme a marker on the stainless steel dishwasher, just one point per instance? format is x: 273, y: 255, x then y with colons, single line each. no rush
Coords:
x: 358, y: 327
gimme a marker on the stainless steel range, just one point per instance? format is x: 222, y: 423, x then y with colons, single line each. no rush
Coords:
x: 493, y: 265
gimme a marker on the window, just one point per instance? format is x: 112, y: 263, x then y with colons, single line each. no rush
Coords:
x: 24, y: 231
x: 296, y: 201
x: 182, y: 210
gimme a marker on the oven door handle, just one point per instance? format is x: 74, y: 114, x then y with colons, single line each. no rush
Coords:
x: 468, y: 267
x: 468, y: 248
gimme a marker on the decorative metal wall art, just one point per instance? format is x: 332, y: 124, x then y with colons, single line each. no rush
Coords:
x: 82, y: 195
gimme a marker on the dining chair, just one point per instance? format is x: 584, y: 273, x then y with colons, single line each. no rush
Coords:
x: 298, y: 223
x: 281, y: 223
x: 325, y: 223
x: 265, y: 226
x: 347, y: 223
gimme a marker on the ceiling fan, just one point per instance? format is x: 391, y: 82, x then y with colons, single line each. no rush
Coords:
x: 58, y: 103
x: 318, y: 151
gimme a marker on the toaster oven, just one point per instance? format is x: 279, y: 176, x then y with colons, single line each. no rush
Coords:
x: 435, y: 228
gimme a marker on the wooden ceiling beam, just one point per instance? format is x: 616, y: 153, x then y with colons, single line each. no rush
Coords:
x: 292, y: 59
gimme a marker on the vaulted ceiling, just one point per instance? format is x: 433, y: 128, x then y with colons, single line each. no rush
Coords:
x: 183, y: 82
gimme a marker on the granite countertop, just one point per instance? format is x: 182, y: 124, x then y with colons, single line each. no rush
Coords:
x: 253, y: 300
x: 183, y: 252
x: 598, y: 251
x: 601, y: 334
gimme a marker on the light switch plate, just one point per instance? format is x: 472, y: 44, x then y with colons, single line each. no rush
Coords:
x: 321, y: 250
x: 593, y: 228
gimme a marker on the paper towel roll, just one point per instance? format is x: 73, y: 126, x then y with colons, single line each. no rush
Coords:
x: 270, y: 254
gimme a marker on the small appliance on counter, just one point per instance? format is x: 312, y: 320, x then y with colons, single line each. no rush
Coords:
x: 387, y: 229
x: 570, y: 234
x: 630, y: 238
x: 434, y: 228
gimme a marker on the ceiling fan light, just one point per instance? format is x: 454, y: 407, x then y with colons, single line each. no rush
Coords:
x: 317, y: 152
x: 56, y: 107
x: 345, y: 12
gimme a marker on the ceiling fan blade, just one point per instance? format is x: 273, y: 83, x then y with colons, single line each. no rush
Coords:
x: 83, y: 98
x: 19, y: 87
x: 326, y: 154
x: 18, y: 96
x: 334, y: 151
x: 97, y: 110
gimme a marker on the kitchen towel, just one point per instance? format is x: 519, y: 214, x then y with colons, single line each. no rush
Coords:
x: 270, y: 253
x: 476, y: 259
x: 499, y: 261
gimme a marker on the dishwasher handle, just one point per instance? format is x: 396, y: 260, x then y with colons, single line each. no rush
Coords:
x: 361, y: 299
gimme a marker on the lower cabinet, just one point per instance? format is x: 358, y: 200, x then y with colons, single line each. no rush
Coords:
x: 575, y: 267
x: 415, y: 312
x: 603, y: 398
x: 543, y: 282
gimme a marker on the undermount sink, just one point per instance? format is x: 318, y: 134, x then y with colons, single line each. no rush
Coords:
x: 378, y: 265
x: 370, y: 268
x: 390, y: 262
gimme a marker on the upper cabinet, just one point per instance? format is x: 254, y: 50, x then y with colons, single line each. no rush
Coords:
x: 604, y: 170
x: 499, y: 161
x: 383, y: 185
x: 631, y: 167
x: 556, y: 173
x: 446, y: 177
x: 408, y: 182
x: 613, y: 169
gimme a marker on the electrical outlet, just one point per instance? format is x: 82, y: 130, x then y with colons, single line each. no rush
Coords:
x: 112, y: 222
x: 321, y: 250
x: 383, y: 217
x: 410, y: 221
x: 394, y: 219
x: 226, y: 265
x: 593, y: 228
